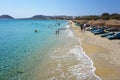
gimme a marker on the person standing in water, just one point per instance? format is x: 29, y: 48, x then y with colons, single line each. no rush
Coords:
x: 57, y: 32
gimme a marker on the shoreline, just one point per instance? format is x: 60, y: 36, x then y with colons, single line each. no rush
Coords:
x: 92, y: 65
x: 107, y: 66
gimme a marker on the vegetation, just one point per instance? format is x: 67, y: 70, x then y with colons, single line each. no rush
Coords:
x: 104, y: 16
x: 87, y: 18
x: 115, y: 16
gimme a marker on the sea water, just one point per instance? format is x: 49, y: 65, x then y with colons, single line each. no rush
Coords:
x: 42, y: 55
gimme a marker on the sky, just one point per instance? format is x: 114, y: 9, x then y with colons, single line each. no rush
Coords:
x: 29, y: 8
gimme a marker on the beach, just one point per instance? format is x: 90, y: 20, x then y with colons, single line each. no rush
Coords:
x: 103, y: 52
x: 28, y: 55
x: 71, y: 54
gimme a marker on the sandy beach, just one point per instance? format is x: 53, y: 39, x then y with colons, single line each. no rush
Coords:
x: 103, y: 52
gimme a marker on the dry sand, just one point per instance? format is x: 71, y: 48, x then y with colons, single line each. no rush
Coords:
x: 104, y: 53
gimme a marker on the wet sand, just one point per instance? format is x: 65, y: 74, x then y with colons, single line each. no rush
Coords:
x: 61, y: 66
x: 103, y: 52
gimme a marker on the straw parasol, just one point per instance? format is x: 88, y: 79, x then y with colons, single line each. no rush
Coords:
x: 99, y: 22
x: 81, y: 21
x: 91, y: 22
x: 113, y: 23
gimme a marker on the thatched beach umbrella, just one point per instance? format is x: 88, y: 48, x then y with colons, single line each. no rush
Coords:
x: 91, y: 22
x: 81, y: 21
x: 99, y: 22
x: 113, y: 23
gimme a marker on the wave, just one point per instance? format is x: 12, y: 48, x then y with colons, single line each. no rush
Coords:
x: 72, y: 62
x: 69, y: 31
x: 85, y: 69
x: 81, y: 56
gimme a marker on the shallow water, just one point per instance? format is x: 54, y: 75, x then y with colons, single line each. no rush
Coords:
x: 26, y: 55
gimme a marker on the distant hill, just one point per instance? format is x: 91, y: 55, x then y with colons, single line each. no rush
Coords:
x: 43, y: 17
x: 39, y: 17
x: 64, y: 17
x: 6, y: 17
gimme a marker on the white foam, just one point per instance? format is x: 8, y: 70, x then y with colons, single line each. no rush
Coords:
x: 81, y: 71
x: 53, y: 78
x: 93, y: 70
x: 67, y: 26
x: 85, y: 69
x: 87, y: 63
x: 69, y: 31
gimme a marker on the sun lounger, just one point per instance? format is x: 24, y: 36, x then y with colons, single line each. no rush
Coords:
x: 115, y: 36
x: 107, y: 34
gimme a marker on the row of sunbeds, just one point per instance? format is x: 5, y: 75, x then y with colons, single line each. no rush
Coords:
x: 110, y: 33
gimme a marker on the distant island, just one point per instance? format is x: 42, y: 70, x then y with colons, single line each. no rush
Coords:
x: 6, y: 17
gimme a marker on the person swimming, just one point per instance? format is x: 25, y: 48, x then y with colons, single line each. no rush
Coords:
x: 36, y: 30
x: 58, y: 23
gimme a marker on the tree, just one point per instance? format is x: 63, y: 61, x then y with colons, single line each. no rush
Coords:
x: 115, y: 16
x: 105, y: 16
x: 119, y: 16
x: 87, y: 17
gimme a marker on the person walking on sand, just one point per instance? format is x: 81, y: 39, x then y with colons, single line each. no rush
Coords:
x: 81, y: 26
x: 84, y: 26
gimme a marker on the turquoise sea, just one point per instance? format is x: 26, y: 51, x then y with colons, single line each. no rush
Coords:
x: 43, y: 55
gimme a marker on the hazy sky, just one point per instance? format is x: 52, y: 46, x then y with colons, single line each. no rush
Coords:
x: 28, y: 8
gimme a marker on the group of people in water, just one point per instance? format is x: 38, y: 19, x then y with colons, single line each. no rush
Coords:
x: 57, y: 31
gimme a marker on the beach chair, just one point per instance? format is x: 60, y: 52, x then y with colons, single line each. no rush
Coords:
x: 115, y: 36
x: 107, y: 34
